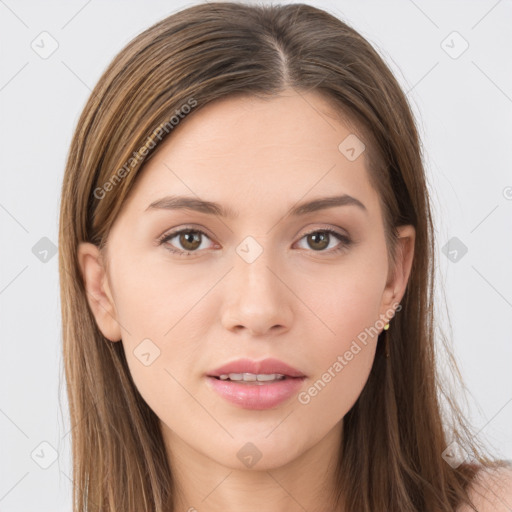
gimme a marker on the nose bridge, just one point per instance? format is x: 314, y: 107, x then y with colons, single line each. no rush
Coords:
x: 253, y: 263
x: 256, y: 297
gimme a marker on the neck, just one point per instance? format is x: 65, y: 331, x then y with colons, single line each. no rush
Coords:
x: 306, y: 482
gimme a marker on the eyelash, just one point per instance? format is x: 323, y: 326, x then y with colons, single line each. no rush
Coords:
x: 345, y: 240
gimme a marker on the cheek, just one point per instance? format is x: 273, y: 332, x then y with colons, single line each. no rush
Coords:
x: 347, y: 330
x: 345, y: 301
x: 164, y: 318
x: 152, y: 299
x: 173, y: 310
x: 333, y: 392
x: 342, y: 361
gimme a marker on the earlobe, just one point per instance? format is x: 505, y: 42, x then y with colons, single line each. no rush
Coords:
x: 405, y: 257
x: 98, y: 292
x: 396, y: 286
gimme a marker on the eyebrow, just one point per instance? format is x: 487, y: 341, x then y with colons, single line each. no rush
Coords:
x: 211, y: 208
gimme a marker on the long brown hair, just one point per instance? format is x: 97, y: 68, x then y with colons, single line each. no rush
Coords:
x: 395, y: 434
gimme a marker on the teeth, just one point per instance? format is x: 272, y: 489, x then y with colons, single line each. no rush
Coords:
x: 251, y: 377
x: 263, y: 377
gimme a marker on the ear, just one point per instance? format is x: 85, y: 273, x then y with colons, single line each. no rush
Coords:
x: 98, y: 292
x: 399, y: 275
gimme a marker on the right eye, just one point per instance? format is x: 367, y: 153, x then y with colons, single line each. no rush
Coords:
x: 189, y: 239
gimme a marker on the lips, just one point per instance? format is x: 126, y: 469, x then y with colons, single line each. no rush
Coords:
x: 256, y: 394
x: 266, y: 366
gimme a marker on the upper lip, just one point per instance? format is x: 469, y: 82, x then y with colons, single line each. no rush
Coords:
x: 266, y: 366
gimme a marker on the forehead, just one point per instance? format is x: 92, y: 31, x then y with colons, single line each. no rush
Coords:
x: 255, y: 152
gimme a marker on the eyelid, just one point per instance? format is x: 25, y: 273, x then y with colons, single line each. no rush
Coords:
x: 325, y: 227
x: 343, y: 238
x: 186, y: 227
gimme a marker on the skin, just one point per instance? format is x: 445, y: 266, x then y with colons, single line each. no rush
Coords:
x: 298, y: 301
x: 491, y: 491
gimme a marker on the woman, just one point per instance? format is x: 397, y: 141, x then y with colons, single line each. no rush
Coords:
x: 246, y: 262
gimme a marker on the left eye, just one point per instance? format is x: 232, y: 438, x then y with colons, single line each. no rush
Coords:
x: 321, y: 236
x: 191, y: 240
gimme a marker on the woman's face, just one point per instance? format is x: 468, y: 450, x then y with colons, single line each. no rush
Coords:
x: 258, y: 283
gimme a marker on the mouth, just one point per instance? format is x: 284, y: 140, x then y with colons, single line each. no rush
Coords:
x: 256, y: 394
x: 256, y: 385
x: 250, y: 371
x: 248, y: 379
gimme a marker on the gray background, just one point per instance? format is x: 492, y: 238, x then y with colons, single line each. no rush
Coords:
x: 463, y: 106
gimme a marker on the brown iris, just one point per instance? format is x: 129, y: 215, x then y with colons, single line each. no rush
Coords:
x: 319, y: 237
x: 190, y: 240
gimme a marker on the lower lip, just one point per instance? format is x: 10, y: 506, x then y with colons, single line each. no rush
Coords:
x: 256, y: 396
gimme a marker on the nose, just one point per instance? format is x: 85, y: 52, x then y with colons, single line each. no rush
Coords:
x: 256, y: 297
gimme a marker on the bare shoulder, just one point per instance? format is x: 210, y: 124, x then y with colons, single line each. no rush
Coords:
x: 491, y: 491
